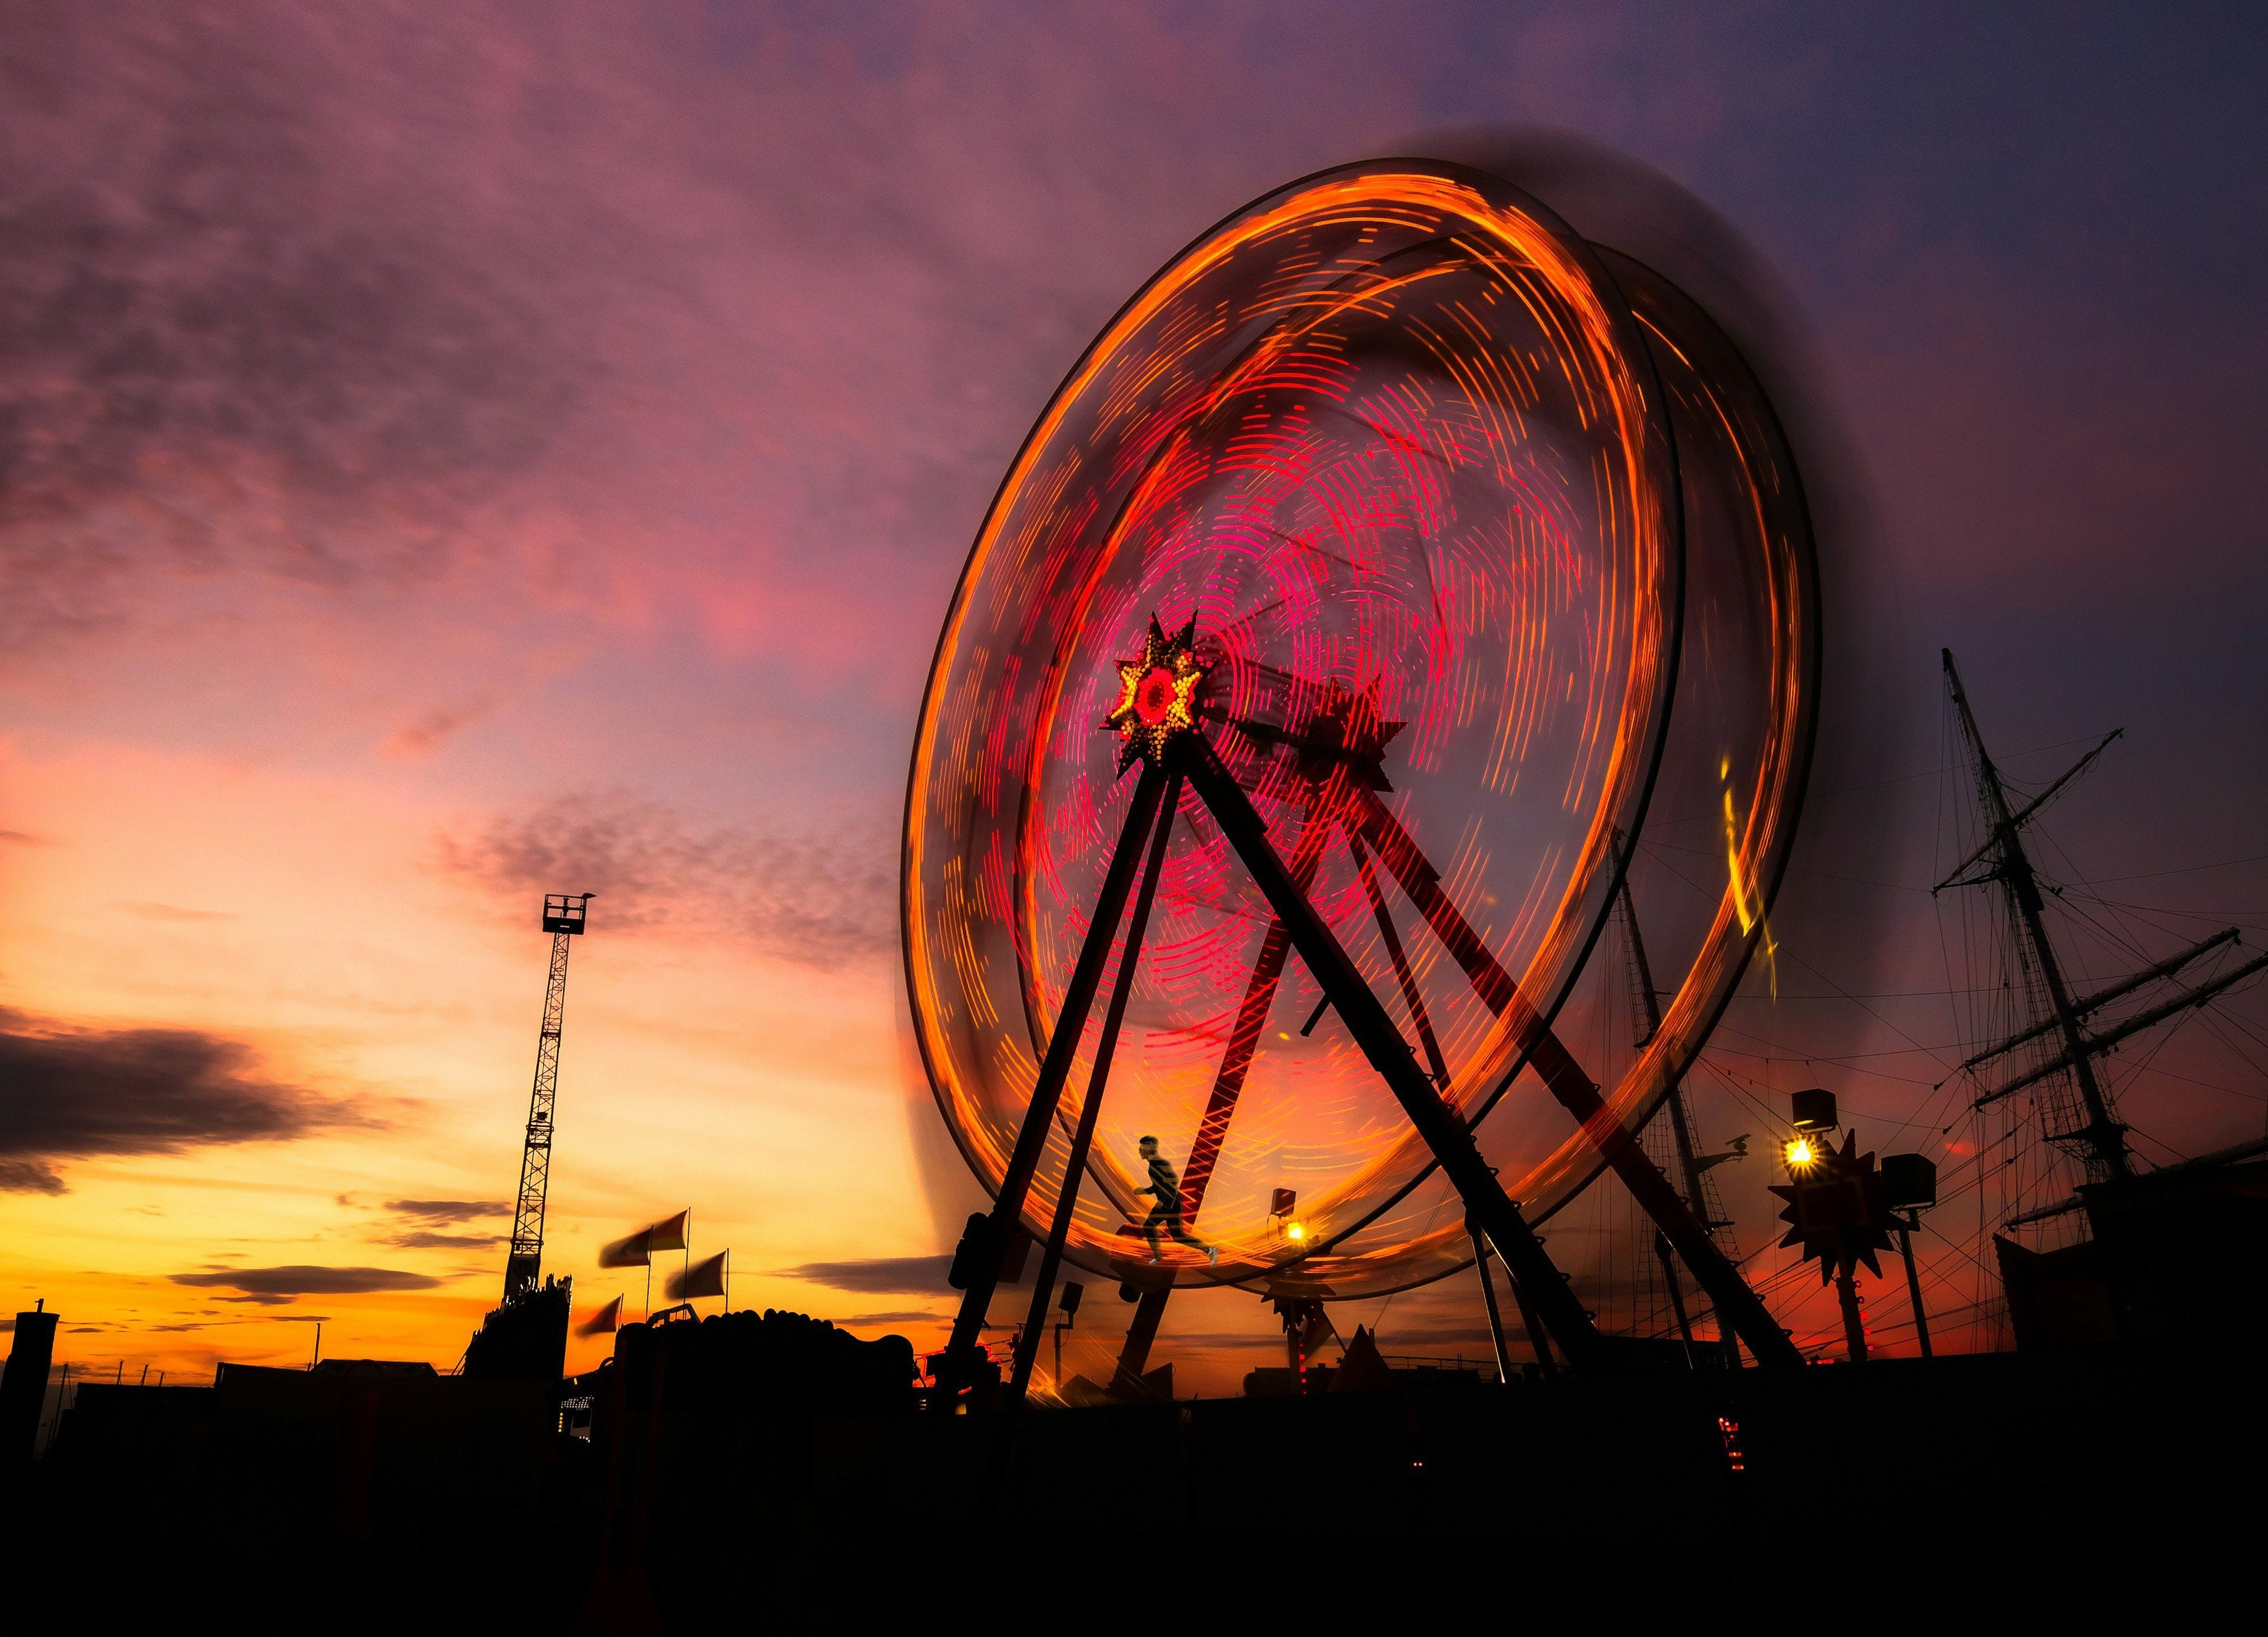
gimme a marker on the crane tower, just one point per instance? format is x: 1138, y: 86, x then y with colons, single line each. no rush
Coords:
x: 563, y: 915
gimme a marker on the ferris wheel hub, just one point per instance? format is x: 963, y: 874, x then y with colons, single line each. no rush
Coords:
x: 1157, y: 694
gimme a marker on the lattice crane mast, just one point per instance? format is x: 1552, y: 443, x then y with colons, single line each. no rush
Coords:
x: 564, y: 918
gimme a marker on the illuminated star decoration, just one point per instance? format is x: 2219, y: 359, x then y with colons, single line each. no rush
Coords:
x: 1836, y: 1209
x: 1348, y: 729
x: 1157, y: 693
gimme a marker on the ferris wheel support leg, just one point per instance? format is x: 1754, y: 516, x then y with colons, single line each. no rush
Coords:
x: 1043, y: 1286
x: 1669, y: 1261
x: 1737, y: 1306
x: 1134, y: 1356
x: 981, y: 1261
x: 1251, y: 1019
x: 1412, y: 995
x: 1220, y: 1107
x: 1496, y: 1319
x: 1374, y: 1033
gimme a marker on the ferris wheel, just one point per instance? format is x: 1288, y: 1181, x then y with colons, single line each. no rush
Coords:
x: 1389, y: 565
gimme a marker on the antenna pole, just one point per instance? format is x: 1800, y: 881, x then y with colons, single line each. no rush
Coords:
x: 1913, y: 1282
x: 563, y: 915
x: 2106, y: 1138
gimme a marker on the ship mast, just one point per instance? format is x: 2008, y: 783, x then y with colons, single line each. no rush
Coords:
x: 2003, y: 860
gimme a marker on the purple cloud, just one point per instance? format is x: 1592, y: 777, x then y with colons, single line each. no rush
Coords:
x: 68, y: 1094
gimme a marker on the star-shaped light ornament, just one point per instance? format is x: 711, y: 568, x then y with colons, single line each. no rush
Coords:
x: 1838, y: 1209
x: 1157, y: 694
x: 1348, y: 729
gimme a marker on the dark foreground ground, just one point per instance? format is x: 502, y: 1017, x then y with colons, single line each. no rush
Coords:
x: 2088, y: 1490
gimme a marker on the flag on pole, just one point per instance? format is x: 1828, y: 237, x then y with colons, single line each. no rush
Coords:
x: 705, y: 1277
x: 635, y: 1250
x: 605, y: 1322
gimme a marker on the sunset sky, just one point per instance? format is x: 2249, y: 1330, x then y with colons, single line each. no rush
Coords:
x: 448, y: 453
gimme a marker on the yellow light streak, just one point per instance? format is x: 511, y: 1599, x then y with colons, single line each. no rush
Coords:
x: 1751, y: 918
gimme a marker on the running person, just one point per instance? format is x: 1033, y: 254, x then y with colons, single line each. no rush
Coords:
x: 1164, y: 1192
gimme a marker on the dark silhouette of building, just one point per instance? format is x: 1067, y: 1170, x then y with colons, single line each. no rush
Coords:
x: 24, y: 1387
x: 524, y: 1337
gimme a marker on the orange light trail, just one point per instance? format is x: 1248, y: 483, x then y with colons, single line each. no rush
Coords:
x: 1391, y: 433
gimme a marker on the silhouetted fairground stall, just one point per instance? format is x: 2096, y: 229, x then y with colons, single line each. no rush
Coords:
x: 745, y: 1463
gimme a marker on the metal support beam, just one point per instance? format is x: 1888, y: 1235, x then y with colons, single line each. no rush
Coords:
x: 1374, y: 1034
x: 1914, y: 1285
x: 1676, y: 1296
x: 1412, y: 995
x: 525, y: 1260
x: 1488, y: 1300
x: 1854, y: 1332
x: 1737, y: 1306
x: 1141, y: 1335
x: 959, y: 1367
x: 1244, y: 1038
x: 1043, y: 1286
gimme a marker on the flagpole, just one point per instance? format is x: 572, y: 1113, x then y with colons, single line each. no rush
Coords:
x: 687, y: 1246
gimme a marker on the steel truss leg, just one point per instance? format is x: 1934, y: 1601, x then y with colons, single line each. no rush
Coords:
x: 1676, y: 1296
x: 1220, y: 1107
x: 1141, y: 1335
x: 1488, y: 1297
x: 1412, y: 995
x: 959, y: 1368
x: 1736, y: 1304
x: 1380, y: 1041
x: 1043, y: 1287
x: 1251, y: 1019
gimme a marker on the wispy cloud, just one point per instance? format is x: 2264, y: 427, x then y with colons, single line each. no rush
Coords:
x: 172, y: 911
x: 881, y: 1276
x: 425, y: 733
x: 281, y: 1283
x: 448, y: 1210
x: 306, y: 342
x: 820, y: 901
x: 421, y: 1241
x: 909, y: 1316
x: 67, y: 1093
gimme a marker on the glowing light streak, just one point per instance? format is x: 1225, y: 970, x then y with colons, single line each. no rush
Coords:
x: 1748, y: 905
x: 1385, y: 426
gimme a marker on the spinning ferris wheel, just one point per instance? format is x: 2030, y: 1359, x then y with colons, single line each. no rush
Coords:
x: 1389, y: 565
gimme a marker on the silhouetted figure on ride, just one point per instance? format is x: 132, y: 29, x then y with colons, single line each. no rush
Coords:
x: 1164, y: 1192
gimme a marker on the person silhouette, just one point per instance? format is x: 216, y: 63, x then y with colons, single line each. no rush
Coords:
x: 1164, y: 1192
